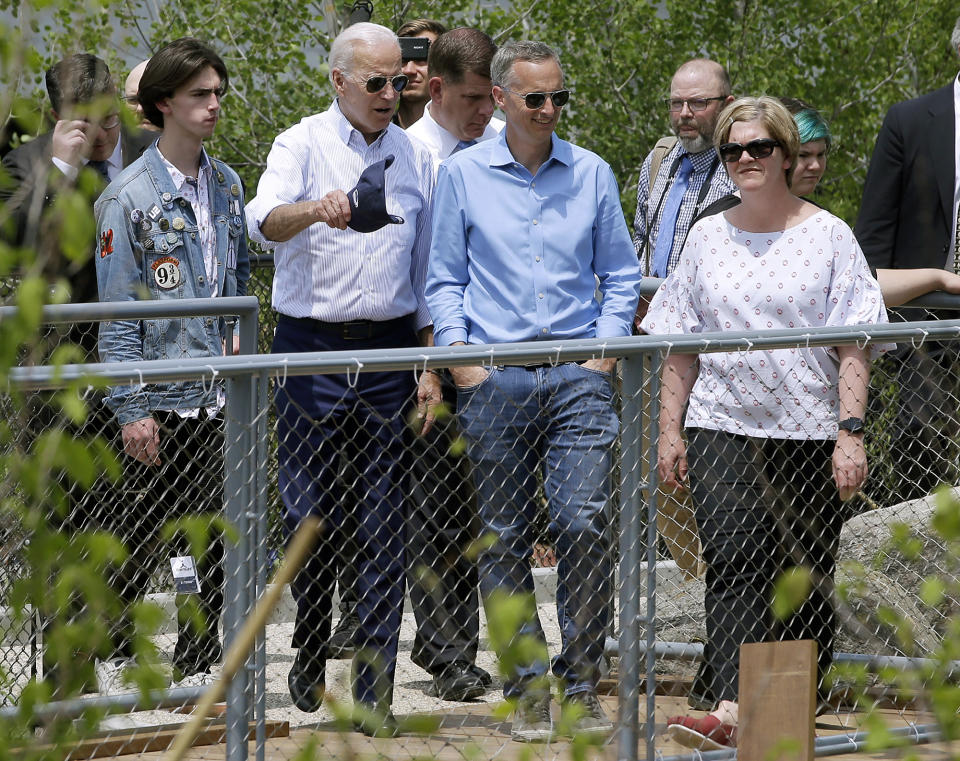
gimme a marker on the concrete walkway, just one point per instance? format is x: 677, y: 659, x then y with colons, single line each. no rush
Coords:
x: 411, y: 684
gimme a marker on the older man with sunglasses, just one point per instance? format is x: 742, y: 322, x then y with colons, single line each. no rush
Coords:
x: 525, y: 224
x: 349, y: 276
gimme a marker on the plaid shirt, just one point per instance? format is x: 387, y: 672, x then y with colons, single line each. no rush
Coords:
x: 705, y: 166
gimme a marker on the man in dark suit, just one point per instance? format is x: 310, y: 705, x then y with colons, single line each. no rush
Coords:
x: 87, y: 136
x: 86, y: 148
x: 908, y: 220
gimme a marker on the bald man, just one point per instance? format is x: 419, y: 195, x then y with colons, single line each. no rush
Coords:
x: 130, y: 88
x: 680, y: 177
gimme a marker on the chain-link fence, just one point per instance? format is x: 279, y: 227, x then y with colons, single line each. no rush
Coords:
x: 114, y: 580
x: 421, y: 534
x: 759, y: 545
x: 260, y: 286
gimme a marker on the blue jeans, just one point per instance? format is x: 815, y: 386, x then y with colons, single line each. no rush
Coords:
x: 559, y: 421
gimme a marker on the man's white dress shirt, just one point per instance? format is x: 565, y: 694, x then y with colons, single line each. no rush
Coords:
x: 341, y: 275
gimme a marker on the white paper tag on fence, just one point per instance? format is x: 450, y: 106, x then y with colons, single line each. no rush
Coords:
x: 185, y: 578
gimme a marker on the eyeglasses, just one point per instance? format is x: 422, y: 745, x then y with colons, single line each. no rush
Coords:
x: 107, y: 123
x: 695, y: 104
x: 535, y: 100
x: 758, y: 149
x: 378, y: 82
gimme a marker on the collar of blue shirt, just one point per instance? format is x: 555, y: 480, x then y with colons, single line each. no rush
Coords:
x: 500, y: 154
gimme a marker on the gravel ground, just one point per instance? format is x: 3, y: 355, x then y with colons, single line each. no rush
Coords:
x: 412, y: 684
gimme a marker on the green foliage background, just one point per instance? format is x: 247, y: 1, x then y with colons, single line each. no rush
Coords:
x: 851, y: 58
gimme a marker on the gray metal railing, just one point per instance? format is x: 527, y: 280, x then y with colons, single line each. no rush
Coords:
x: 240, y: 561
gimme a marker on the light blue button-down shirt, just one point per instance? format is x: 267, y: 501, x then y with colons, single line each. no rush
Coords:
x: 517, y: 257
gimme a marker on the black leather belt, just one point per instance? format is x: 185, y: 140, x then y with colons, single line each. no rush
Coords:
x: 355, y: 330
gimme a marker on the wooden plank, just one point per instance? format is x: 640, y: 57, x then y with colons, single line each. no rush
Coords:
x: 667, y: 685
x: 157, y: 738
x: 778, y: 691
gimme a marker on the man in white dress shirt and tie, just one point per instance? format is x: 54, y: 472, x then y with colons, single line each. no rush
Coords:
x: 461, y: 107
x: 442, y: 516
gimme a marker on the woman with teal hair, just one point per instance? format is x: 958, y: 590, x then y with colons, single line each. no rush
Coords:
x: 898, y: 286
x: 815, y: 140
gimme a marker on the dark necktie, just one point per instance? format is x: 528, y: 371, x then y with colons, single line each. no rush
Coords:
x: 668, y: 220
x: 463, y: 144
x: 100, y: 167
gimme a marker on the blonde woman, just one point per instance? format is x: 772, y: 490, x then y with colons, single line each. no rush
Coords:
x: 772, y: 441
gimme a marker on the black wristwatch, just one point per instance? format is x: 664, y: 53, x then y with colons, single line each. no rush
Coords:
x: 852, y: 425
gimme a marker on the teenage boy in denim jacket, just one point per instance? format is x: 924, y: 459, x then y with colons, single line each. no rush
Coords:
x: 171, y: 226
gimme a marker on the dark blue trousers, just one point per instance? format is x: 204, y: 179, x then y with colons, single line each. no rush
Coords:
x: 321, y: 419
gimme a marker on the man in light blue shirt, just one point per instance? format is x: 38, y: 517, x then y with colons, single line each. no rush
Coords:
x: 518, y: 257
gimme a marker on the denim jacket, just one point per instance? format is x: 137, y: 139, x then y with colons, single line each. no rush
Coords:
x: 149, y: 247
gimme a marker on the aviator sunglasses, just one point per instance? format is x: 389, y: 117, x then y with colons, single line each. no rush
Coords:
x: 535, y: 100
x: 758, y: 149
x: 378, y: 82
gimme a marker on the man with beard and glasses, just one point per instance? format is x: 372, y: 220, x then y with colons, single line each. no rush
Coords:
x: 682, y: 175
x: 680, y: 178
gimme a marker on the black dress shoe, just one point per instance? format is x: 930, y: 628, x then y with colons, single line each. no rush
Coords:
x: 340, y: 645
x: 375, y: 724
x: 458, y: 681
x: 484, y: 676
x: 306, y: 682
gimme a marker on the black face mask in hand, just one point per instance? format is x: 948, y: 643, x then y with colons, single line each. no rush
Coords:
x: 368, y: 200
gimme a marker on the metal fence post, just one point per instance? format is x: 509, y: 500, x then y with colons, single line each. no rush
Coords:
x: 238, y: 479
x: 650, y: 620
x: 261, y: 555
x: 630, y: 511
